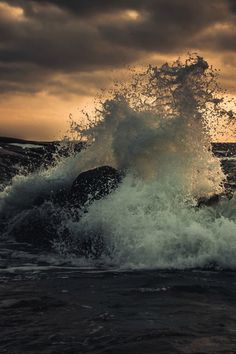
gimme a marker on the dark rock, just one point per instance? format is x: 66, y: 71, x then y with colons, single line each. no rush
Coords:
x: 213, y: 199
x: 94, y: 184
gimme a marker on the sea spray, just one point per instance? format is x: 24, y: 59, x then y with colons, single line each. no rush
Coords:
x: 158, y: 125
x: 157, y: 130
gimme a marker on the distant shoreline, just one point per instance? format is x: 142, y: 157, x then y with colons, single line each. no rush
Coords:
x: 9, y: 140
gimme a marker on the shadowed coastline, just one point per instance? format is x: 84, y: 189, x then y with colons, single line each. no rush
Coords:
x: 26, y: 156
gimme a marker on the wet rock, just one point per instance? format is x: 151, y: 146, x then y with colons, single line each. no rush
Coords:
x: 213, y: 200
x: 208, y: 201
x: 94, y: 184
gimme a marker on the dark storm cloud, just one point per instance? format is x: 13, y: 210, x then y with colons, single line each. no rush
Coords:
x: 232, y: 5
x: 32, y: 49
x: 61, y: 36
x: 167, y: 26
x: 50, y: 43
x: 79, y: 7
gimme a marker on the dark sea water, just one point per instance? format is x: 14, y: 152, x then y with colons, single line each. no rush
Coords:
x: 70, y: 310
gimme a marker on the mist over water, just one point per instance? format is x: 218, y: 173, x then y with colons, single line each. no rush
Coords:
x: 157, y: 129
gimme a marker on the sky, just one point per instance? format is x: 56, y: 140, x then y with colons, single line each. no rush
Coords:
x: 55, y: 55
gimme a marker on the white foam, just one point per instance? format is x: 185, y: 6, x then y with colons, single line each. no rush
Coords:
x: 151, y: 226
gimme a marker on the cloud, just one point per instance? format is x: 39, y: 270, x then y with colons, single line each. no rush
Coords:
x: 41, y: 40
x: 166, y: 26
x: 232, y: 5
x: 35, y: 48
x: 62, y: 46
x: 80, y: 8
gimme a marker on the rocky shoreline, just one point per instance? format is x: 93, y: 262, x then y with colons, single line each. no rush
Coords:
x: 25, y: 156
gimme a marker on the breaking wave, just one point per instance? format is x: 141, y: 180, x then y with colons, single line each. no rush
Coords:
x: 157, y: 130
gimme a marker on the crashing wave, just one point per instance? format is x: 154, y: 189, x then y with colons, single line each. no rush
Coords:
x: 157, y: 131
